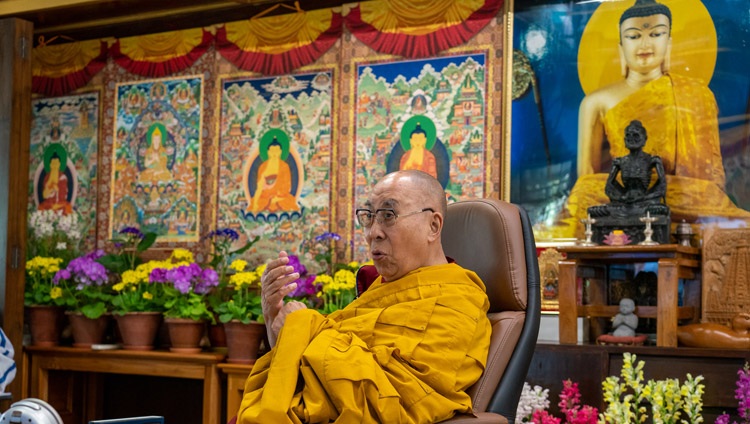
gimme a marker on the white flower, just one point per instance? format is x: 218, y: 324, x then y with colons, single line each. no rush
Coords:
x: 531, y: 400
x: 61, y: 245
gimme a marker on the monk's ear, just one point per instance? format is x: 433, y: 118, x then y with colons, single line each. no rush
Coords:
x: 436, y: 225
x: 623, y: 63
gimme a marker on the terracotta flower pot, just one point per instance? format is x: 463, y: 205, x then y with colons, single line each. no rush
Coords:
x: 217, y: 337
x: 185, y: 334
x: 243, y: 341
x: 87, y: 331
x: 45, y: 324
x: 138, y: 329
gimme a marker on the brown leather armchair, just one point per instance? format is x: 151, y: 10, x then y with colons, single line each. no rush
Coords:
x: 494, y: 239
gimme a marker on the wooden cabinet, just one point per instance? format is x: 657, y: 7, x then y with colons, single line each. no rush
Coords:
x: 675, y: 262
x: 86, y: 369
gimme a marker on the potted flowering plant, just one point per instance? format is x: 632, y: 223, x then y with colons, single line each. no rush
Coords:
x: 43, y: 300
x: 244, y: 301
x: 85, y: 285
x: 337, y: 290
x: 223, y: 252
x: 86, y: 295
x: 185, y: 285
x: 242, y: 314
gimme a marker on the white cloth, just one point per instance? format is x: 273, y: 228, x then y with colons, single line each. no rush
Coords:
x: 7, y: 364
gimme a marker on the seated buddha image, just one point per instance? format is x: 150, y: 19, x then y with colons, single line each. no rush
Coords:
x: 418, y: 157
x: 680, y: 112
x: 155, y: 156
x: 420, y: 148
x: 274, y: 181
x: 56, y: 181
x: 183, y: 97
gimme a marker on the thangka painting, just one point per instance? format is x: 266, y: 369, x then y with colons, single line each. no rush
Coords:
x: 275, y: 161
x: 584, y: 70
x: 429, y: 115
x: 63, y: 153
x: 156, y: 173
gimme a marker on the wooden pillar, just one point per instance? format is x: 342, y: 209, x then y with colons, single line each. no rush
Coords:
x: 15, y: 129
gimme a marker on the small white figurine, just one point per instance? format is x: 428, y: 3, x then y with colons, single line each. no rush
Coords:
x: 626, y: 321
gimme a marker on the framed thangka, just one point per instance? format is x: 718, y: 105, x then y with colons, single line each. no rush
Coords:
x: 156, y: 173
x: 275, y: 160
x: 584, y: 70
x: 64, y: 148
x: 428, y: 114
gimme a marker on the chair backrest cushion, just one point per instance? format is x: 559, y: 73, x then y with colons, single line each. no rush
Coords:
x: 486, y: 236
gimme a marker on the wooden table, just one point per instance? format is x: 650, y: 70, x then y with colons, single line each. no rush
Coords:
x: 674, y: 261
x: 198, y: 366
x: 236, y: 377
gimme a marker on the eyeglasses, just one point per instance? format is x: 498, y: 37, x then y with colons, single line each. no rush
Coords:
x: 385, y: 217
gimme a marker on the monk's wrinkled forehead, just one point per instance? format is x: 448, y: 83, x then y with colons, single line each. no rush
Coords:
x: 392, y: 193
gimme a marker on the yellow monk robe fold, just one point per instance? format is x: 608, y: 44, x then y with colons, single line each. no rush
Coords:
x: 680, y: 116
x: 403, y: 352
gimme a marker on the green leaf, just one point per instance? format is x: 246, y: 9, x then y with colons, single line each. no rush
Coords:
x: 146, y: 242
x: 94, y: 311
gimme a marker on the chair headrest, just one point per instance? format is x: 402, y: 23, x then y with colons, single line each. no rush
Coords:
x: 486, y: 236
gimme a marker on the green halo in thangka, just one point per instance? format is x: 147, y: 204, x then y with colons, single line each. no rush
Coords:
x: 55, y: 148
x: 150, y: 133
x: 422, y: 122
x: 269, y: 137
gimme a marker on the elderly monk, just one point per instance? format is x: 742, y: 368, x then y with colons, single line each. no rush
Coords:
x: 405, y: 351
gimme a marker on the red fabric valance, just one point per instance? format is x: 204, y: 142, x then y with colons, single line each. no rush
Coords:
x: 420, y: 28
x: 159, y: 55
x: 279, y: 44
x: 59, y: 69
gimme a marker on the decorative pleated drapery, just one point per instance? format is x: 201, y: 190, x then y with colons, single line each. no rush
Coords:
x: 159, y: 55
x: 59, y: 69
x: 419, y: 28
x: 276, y: 45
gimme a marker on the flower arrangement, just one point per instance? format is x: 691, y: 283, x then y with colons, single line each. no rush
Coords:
x: 533, y: 399
x: 185, y: 285
x: 53, y: 234
x: 533, y: 404
x: 244, y: 302
x: 85, y: 285
x: 742, y: 394
x: 40, y: 289
x: 325, y: 292
x: 627, y: 400
x: 668, y: 399
x: 138, y: 291
x: 222, y: 254
x: 338, y: 290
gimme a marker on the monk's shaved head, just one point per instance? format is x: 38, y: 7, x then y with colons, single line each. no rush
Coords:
x: 430, y: 188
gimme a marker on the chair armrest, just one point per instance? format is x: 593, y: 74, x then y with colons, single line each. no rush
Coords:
x: 480, y: 418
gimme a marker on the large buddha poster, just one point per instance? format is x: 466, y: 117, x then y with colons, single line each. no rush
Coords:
x: 428, y: 114
x: 584, y: 70
x: 156, y: 173
x: 64, y: 148
x: 275, y: 160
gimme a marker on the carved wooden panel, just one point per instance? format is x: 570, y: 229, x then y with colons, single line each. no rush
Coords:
x: 726, y: 274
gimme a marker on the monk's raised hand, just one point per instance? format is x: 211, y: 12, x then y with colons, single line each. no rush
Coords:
x: 275, y: 285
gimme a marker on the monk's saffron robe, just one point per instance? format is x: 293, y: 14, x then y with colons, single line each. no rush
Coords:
x: 680, y: 117
x: 403, y: 352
